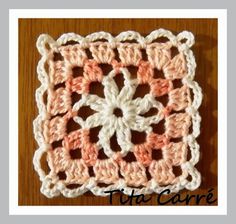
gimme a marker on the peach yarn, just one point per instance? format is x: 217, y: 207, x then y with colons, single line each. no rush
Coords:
x: 145, y: 174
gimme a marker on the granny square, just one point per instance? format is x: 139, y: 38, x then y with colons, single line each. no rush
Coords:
x: 78, y: 161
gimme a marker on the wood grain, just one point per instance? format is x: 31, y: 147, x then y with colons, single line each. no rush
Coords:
x: 205, y: 50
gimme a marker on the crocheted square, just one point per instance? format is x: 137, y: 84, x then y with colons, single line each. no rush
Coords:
x: 69, y: 66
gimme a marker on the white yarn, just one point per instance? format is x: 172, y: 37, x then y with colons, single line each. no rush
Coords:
x: 120, y: 125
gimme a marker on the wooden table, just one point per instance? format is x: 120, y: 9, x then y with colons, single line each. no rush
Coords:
x: 205, y: 50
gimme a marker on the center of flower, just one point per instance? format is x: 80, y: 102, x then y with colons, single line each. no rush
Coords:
x: 118, y: 112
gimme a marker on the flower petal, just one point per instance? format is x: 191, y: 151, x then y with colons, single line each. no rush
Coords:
x: 123, y: 134
x: 127, y: 92
x: 94, y: 120
x: 144, y: 104
x: 140, y: 124
x: 111, y: 90
x: 95, y: 102
x: 106, y: 133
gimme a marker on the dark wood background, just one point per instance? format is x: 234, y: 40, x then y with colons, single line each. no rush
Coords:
x: 205, y: 50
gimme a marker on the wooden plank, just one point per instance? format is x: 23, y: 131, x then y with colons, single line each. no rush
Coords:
x: 205, y: 50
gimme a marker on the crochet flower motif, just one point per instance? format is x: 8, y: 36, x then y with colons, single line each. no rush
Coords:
x: 128, y: 110
x: 74, y: 157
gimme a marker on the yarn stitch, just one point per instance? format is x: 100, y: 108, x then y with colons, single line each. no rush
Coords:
x: 146, y: 174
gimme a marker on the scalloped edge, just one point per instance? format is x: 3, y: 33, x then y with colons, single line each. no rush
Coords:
x: 192, y: 110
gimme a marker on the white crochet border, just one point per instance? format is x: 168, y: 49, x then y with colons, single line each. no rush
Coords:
x: 192, y: 110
